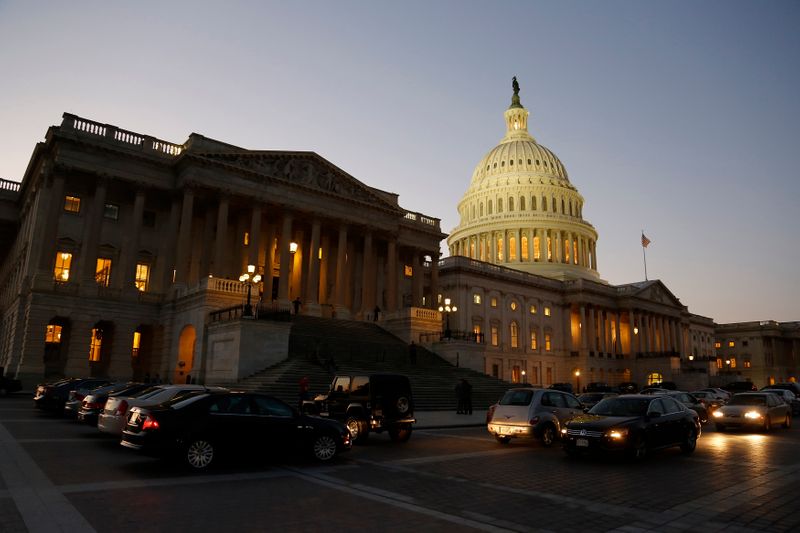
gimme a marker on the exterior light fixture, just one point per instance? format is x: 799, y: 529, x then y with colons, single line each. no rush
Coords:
x: 447, y: 309
x: 293, y: 247
x: 249, y: 278
x: 635, y: 330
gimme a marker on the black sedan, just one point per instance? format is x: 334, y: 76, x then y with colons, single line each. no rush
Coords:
x: 633, y: 424
x: 204, y: 426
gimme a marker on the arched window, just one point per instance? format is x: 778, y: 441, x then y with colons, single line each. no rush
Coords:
x: 499, y: 254
x: 499, y: 205
x: 489, y: 208
x: 554, y: 205
x: 510, y: 204
x: 524, y: 247
x: 514, y: 335
x: 473, y: 212
x: 570, y: 208
x: 534, y: 341
x: 522, y: 203
x: 472, y: 248
x: 533, y: 203
x: 562, y: 206
x: 536, y: 249
x: 512, y: 248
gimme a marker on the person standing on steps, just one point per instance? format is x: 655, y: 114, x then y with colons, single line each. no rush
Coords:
x: 459, y: 390
x: 412, y: 353
x: 304, y: 396
x: 296, y: 305
x: 467, y: 393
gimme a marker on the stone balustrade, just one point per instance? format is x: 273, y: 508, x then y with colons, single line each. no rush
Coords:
x: 7, y: 185
x: 419, y: 218
x: 119, y: 136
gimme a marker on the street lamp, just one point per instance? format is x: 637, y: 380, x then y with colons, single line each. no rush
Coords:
x: 524, y: 377
x: 447, y: 309
x: 249, y: 278
x: 577, y: 381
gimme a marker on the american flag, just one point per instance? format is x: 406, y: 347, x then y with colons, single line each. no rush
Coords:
x: 645, y: 241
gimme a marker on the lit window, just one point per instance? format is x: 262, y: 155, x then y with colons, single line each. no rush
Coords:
x: 142, y: 276
x: 137, y: 341
x: 96, y: 344
x: 534, y: 341
x: 476, y: 329
x: 499, y: 250
x: 513, y: 306
x: 63, y: 262
x: 53, y: 334
x: 731, y: 344
x: 476, y: 298
x: 111, y: 211
x: 536, y: 249
x: 102, y: 273
x: 409, y: 271
x: 494, y: 302
x: 733, y: 362
x: 524, y: 245
x: 654, y: 378
x: 547, y: 342
x: 747, y: 363
x: 514, y: 335
x: 717, y: 345
x: 546, y: 311
x: 533, y: 309
x: 719, y: 362
x: 246, y: 239
x: 72, y: 204
x: 495, y: 339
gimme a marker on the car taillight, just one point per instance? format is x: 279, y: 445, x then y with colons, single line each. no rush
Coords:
x: 534, y: 420
x: 122, y: 407
x: 149, y: 423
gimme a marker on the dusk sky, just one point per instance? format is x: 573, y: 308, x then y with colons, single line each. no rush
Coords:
x: 678, y: 118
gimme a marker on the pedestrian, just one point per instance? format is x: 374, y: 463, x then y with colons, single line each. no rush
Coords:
x: 412, y: 353
x: 375, y: 313
x: 459, y: 390
x: 296, y: 303
x: 304, y: 396
x: 467, y: 393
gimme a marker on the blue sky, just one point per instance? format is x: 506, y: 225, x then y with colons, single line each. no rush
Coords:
x: 677, y: 118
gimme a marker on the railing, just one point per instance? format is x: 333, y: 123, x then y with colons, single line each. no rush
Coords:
x: 120, y: 136
x: 260, y: 312
x: 496, y: 270
x: 7, y: 185
x: 422, y: 219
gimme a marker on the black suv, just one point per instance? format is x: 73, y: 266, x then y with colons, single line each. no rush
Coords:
x: 374, y: 402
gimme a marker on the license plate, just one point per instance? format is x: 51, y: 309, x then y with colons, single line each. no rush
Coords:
x: 583, y: 443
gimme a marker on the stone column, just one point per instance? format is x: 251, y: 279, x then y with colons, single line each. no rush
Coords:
x: 391, y: 275
x: 644, y: 330
x: 434, y: 280
x: 603, y: 329
x: 592, y: 331
x: 255, y: 245
x: 583, y: 329
x: 418, y: 280
x: 368, y: 276
x: 185, y: 239
x: 92, y: 225
x: 52, y: 199
x: 165, y: 263
x: 312, y: 288
x: 285, y: 259
x: 618, y: 332
x: 220, y: 248
x: 129, y: 253
x: 341, y: 271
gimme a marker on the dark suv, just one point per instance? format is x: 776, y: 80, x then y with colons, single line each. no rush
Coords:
x: 374, y: 402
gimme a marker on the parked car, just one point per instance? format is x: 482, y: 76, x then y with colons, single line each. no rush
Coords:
x: 370, y: 403
x: 532, y: 413
x: 692, y: 403
x: 722, y: 394
x: 52, y: 396
x: 203, y: 426
x: 709, y: 399
x: 790, y: 386
x: 633, y: 424
x: 627, y: 387
x: 7, y: 384
x: 565, y: 387
x: 94, y: 402
x: 788, y: 397
x: 740, y: 386
x: 598, y: 386
x: 590, y: 399
x: 753, y: 410
x: 115, y: 414
x: 76, y: 396
x: 654, y: 390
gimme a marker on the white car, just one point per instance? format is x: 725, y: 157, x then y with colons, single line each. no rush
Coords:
x: 788, y: 397
x: 115, y: 415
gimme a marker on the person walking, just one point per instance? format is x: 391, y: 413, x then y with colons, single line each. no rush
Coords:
x: 304, y: 396
x: 296, y: 305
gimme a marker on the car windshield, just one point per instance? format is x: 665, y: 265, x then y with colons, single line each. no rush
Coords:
x: 746, y: 399
x: 621, y: 407
x: 517, y: 397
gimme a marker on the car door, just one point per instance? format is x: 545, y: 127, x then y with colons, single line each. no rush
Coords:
x: 573, y: 408
x: 673, y: 419
x: 279, y: 427
x: 230, y: 422
x: 339, y: 397
x: 656, y: 426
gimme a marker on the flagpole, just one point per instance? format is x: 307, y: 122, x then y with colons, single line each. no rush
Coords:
x: 644, y: 256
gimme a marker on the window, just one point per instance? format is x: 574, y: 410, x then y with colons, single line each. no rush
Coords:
x: 53, y: 334
x: 63, y: 262
x: 744, y: 343
x: 524, y: 247
x: 360, y: 385
x: 102, y: 274
x: 731, y: 344
x: 142, y: 276
x: 493, y: 302
x: 342, y: 384
x: 717, y: 345
x: 111, y: 211
x: 476, y: 298
x: 719, y: 362
x: 246, y: 238
x: 549, y: 248
x: 533, y: 203
x: 510, y: 204
x: 499, y: 205
x: 495, y: 339
x: 137, y: 341
x: 72, y: 204
x: 544, y: 203
x: 654, y: 378
x: 536, y: 248
x: 547, y: 342
x: 546, y: 311
x: 489, y: 207
x: 499, y: 253
x: 476, y: 330
x: 533, y: 309
x: 512, y: 248
x: 408, y: 271
x: 747, y: 363
x: 149, y: 219
x: 522, y: 203
x: 96, y: 344
x: 514, y: 335
x: 534, y: 341
x: 733, y: 362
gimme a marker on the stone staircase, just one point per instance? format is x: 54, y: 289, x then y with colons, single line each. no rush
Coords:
x: 318, y: 345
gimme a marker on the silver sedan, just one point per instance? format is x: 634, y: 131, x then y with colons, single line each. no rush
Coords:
x: 756, y: 410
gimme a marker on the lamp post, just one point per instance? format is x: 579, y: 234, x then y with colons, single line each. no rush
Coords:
x: 524, y: 377
x: 447, y: 309
x: 249, y: 278
x: 577, y: 381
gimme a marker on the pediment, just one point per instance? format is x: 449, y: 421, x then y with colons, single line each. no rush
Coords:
x: 304, y: 169
x: 657, y: 292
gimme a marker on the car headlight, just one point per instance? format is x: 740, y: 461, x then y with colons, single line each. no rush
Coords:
x: 617, y: 434
x: 752, y: 415
x: 718, y: 414
x: 563, y: 431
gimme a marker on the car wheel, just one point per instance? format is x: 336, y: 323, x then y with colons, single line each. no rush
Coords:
x: 358, y: 429
x: 548, y: 435
x: 199, y: 453
x: 690, y: 442
x: 324, y: 448
x: 502, y: 440
x: 788, y: 423
x: 639, y: 450
x: 400, y: 434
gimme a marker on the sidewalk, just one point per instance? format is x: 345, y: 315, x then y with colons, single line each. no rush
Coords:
x: 446, y: 419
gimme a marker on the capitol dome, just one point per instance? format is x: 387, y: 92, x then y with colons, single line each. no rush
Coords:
x: 521, y: 211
